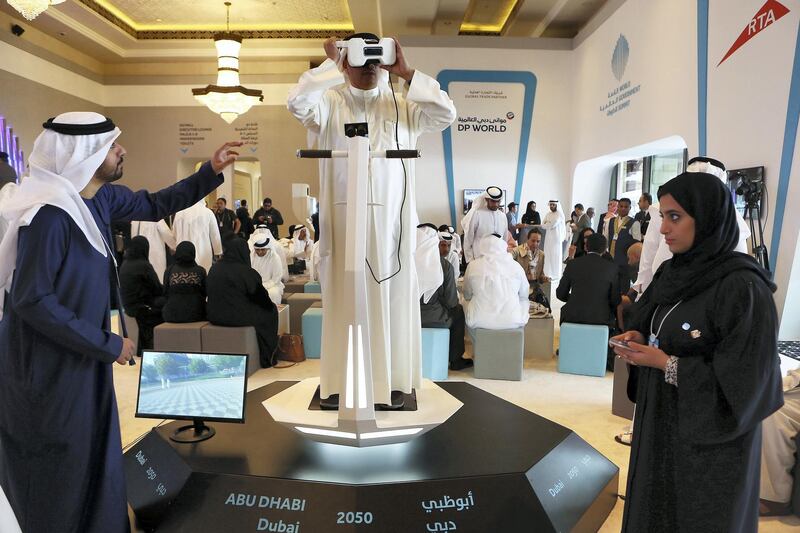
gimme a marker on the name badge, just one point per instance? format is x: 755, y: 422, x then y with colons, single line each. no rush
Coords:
x: 653, y: 341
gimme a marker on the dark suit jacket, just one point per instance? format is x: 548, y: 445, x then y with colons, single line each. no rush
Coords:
x: 436, y: 313
x: 590, y: 288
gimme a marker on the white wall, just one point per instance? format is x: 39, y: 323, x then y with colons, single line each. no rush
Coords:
x: 662, y: 61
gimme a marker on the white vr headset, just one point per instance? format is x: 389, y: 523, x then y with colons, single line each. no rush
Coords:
x: 361, y: 52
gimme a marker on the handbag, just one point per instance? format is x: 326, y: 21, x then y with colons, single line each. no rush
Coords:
x: 290, y: 348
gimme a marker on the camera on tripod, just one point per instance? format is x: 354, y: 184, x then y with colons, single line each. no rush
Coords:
x: 748, y: 183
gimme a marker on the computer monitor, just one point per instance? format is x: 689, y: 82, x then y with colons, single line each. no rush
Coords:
x: 192, y: 386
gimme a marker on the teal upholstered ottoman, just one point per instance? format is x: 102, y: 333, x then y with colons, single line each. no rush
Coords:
x: 312, y: 286
x: 583, y: 349
x: 312, y: 332
x: 435, y: 353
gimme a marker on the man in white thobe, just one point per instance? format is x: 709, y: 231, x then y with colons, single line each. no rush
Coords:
x: 158, y: 235
x: 324, y: 101
x: 456, y: 242
x: 555, y: 224
x: 313, y: 263
x: 199, y: 226
x: 484, y: 218
x: 259, y: 233
x: 495, y: 288
x: 265, y: 260
x: 300, y: 247
x: 450, y: 255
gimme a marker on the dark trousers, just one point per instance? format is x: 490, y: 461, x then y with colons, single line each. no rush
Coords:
x: 457, y: 333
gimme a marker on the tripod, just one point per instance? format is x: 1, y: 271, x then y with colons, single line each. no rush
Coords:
x: 752, y: 211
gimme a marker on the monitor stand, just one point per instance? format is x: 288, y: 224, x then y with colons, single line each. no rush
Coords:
x: 199, y: 432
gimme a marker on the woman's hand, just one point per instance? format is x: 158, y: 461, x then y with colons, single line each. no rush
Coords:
x: 638, y: 353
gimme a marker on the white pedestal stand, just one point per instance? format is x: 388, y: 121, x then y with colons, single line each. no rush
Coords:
x: 355, y: 423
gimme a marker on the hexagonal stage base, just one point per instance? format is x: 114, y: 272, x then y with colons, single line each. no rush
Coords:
x: 492, y: 466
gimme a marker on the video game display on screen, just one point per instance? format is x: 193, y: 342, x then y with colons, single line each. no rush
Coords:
x: 192, y: 386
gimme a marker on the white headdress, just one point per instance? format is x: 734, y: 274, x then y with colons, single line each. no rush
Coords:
x: 64, y: 159
x: 429, y: 266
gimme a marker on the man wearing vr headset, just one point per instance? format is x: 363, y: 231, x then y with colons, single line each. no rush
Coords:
x: 352, y: 86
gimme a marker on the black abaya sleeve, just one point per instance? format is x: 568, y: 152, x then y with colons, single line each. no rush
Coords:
x: 256, y: 291
x: 726, y: 394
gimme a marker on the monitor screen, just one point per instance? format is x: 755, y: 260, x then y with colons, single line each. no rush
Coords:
x: 192, y: 386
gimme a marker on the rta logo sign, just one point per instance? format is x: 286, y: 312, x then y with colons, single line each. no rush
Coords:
x: 769, y: 13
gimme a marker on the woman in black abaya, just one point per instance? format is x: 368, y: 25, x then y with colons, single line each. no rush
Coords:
x: 236, y: 297
x: 704, y: 340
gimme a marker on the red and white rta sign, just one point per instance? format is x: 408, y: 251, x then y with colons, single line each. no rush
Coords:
x: 769, y: 13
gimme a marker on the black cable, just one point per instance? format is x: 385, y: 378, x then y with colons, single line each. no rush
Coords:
x: 405, y: 190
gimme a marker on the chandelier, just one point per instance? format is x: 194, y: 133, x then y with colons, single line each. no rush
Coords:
x: 31, y: 9
x: 228, y: 98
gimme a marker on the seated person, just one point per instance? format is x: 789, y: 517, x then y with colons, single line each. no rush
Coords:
x: 261, y: 231
x: 495, y: 288
x: 590, y: 287
x: 237, y: 298
x: 301, y: 243
x: 298, y: 248
x: 141, y: 290
x: 456, y: 246
x: 184, y: 287
x: 531, y: 258
x: 778, y: 450
x: 447, y: 253
x: 266, y: 261
x: 439, y: 307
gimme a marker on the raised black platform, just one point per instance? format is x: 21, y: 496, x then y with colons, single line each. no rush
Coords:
x: 492, y: 467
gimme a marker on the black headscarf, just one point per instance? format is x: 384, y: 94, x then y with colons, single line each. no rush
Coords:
x: 529, y: 209
x: 138, y: 248
x: 185, y: 254
x: 236, y: 251
x: 712, y: 255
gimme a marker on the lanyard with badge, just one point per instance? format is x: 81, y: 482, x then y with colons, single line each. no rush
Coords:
x: 653, y: 339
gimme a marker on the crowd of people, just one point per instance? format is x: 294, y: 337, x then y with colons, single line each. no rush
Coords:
x: 205, y: 267
x: 690, y: 313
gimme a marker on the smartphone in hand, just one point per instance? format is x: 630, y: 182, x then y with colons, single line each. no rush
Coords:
x: 614, y: 343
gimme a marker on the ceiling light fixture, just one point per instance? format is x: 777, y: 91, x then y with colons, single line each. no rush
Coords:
x: 30, y: 9
x: 228, y: 98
